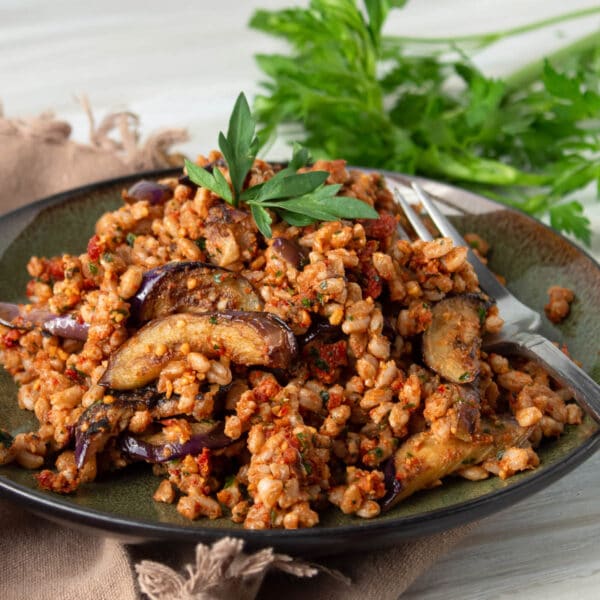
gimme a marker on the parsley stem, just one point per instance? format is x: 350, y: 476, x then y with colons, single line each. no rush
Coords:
x: 485, y: 39
x: 532, y: 71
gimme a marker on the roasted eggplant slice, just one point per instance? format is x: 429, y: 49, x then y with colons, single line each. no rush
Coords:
x: 290, y: 251
x: 465, y: 422
x: 151, y: 191
x: 99, y: 423
x: 156, y: 447
x: 321, y: 329
x: 16, y: 316
x: 190, y: 286
x: 247, y: 338
x: 425, y: 458
x: 452, y: 341
x: 103, y: 421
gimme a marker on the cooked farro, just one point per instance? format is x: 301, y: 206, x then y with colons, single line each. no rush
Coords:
x: 272, y: 441
x: 559, y: 303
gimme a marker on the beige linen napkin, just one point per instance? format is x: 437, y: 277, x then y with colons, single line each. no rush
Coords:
x: 38, y: 159
x: 47, y: 561
x: 43, y: 560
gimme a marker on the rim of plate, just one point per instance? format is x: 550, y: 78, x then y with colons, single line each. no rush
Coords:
x: 315, y: 539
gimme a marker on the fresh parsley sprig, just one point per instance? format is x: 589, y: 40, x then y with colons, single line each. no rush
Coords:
x: 298, y: 198
x: 420, y: 105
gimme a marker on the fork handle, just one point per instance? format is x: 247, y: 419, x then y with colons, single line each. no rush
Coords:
x: 585, y: 390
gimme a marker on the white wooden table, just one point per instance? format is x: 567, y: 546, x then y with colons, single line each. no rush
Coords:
x: 182, y: 63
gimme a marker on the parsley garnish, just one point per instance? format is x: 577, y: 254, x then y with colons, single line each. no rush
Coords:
x: 229, y: 481
x: 421, y: 105
x: 307, y: 467
x: 482, y: 312
x: 298, y: 198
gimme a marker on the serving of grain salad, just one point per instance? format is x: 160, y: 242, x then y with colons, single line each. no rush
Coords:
x: 267, y: 378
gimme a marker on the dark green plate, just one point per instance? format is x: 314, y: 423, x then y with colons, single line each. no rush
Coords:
x: 531, y: 256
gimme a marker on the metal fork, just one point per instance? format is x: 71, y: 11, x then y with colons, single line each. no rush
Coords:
x: 520, y: 322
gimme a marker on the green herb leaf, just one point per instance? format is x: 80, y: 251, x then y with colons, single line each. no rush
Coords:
x: 294, y: 219
x: 569, y: 218
x: 527, y: 140
x: 300, y: 158
x: 262, y: 219
x: 241, y: 144
x: 214, y: 181
x: 298, y: 198
x: 323, y: 205
x: 285, y: 185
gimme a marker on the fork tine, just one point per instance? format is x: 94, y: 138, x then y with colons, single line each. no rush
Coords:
x: 402, y: 234
x: 439, y: 220
x: 511, y: 307
x: 412, y: 217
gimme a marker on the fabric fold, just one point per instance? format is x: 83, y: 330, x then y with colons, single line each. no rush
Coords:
x: 40, y: 159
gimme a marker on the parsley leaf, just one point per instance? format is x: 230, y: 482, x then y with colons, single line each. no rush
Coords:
x: 569, y: 218
x: 295, y: 219
x: 528, y: 140
x: 284, y: 185
x: 319, y: 205
x: 298, y: 198
x: 240, y: 146
x: 214, y: 181
x: 262, y: 219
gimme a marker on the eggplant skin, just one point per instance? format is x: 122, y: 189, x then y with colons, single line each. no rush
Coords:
x: 452, y: 341
x: 290, y: 251
x: 424, y: 458
x: 151, y: 191
x: 99, y: 423
x: 103, y: 421
x: 15, y: 316
x: 191, y: 286
x: 247, y: 338
x: 155, y: 449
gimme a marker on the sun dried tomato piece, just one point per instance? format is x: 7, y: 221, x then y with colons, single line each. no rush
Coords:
x: 382, y: 228
x: 324, y: 360
x: 368, y: 277
x: 95, y: 248
x: 11, y: 339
